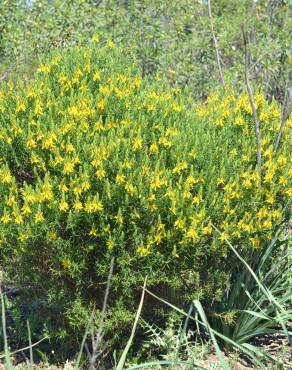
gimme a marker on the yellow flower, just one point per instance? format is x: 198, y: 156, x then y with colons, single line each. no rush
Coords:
x: 220, y: 181
x: 180, y: 167
x: 96, y: 76
x: 100, y: 104
x: 68, y: 167
x: 110, y: 244
x: 78, y: 206
x: 85, y: 185
x: 283, y: 180
x: 247, y: 183
x: 49, y: 142
x: 18, y: 219
x: 262, y: 213
x: 143, y: 251
x: 100, y: 173
x: 95, y: 38
x: 63, y: 188
x: 44, y: 68
x: 38, y: 110
x: 255, y: 242
x: 223, y: 236
x: 20, y: 107
x: 31, y: 93
x: 130, y: 189
x: 70, y: 148
x: 5, y: 218
x: 30, y: 142
x: 193, y: 153
x: 11, y: 200
x: 52, y: 235
x: 193, y: 235
x: 119, y: 217
x: 63, y: 206
x: 246, y: 227
x: 93, y: 232
x: 259, y: 99
x: 264, y: 116
x: 23, y: 236
x: 239, y: 121
x: 137, y: 143
x: 187, y: 194
x: 39, y: 217
x: 153, y: 148
x: 219, y: 122
x: 152, y: 207
x: 156, y: 182
x: 6, y: 175
x: 197, y: 199
x: 120, y: 178
x: 276, y: 214
x: 281, y: 161
x: 110, y: 44
x: 93, y: 205
x: 176, y: 107
x: 105, y: 90
x: 270, y: 198
x: 66, y: 263
x: 207, y: 230
x: 267, y: 224
x: 179, y: 224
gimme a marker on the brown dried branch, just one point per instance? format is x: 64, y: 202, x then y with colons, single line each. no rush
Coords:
x: 287, y: 105
x: 96, y: 338
x: 215, y: 43
x: 254, y: 112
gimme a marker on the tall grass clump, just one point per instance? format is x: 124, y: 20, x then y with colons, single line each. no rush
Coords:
x: 96, y: 163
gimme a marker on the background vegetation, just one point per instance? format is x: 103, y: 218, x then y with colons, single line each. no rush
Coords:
x: 119, y: 140
x: 172, y: 38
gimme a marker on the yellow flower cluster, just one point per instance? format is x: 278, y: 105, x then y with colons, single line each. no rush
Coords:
x: 90, y: 148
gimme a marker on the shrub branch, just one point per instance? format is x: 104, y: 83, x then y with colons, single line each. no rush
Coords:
x: 215, y: 42
x: 287, y: 105
x: 254, y: 112
x: 97, y: 338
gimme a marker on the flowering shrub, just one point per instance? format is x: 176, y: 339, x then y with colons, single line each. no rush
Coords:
x: 97, y: 162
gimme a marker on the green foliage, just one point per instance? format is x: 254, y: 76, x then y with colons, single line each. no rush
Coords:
x: 245, y: 311
x: 97, y: 162
x: 169, y: 37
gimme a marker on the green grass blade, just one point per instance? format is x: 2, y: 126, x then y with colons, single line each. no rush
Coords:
x: 30, y: 345
x: 8, y: 363
x: 77, y: 363
x: 202, y: 314
x: 250, y: 353
x: 264, y: 289
x: 123, y: 357
x: 24, y: 348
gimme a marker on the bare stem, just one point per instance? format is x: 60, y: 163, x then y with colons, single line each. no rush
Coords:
x: 98, y: 337
x: 287, y: 104
x: 215, y: 43
x: 254, y: 112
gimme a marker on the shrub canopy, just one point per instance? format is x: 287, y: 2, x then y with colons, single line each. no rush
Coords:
x: 97, y: 162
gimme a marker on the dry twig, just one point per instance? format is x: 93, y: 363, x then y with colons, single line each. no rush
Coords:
x: 287, y: 105
x: 215, y: 43
x: 96, y: 338
x: 254, y: 112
